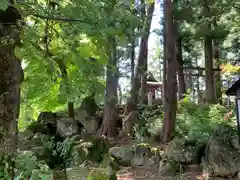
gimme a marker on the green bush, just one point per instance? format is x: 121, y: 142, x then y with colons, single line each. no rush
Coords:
x: 27, y: 167
x: 149, y: 121
x: 97, y: 175
x: 198, y: 121
x: 194, y: 121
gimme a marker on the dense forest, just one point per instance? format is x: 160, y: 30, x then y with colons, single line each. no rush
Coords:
x: 90, y: 90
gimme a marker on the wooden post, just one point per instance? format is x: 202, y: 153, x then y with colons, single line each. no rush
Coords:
x: 238, y: 112
x: 150, y: 98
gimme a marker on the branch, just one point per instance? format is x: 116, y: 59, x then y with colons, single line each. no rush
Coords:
x: 201, y: 68
x: 61, y: 65
x: 57, y: 18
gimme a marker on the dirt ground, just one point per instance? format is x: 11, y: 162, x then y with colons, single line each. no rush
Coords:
x: 142, y: 173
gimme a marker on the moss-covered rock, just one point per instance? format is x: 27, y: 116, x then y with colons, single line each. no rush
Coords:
x: 124, y: 154
x: 184, y: 151
x: 109, y: 161
x: 169, y: 167
x: 221, y: 157
x: 146, y: 155
x: 78, y: 149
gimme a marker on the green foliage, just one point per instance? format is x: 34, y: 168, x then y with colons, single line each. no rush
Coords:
x: 99, y: 175
x: 75, y: 151
x: 27, y: 166
x: 3, y: 5
x: 80, y: 42
x: 64, y: 148
x: 149, y: 121
x: 199, y: 121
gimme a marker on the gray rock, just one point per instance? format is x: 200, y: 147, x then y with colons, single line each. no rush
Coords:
x: 183, y: 151
x: 168, y: 167
x: 92, y: 124
x: 221, y: 159
x: 67, y: 127
x: 123, y: 154
x: 144, y: 155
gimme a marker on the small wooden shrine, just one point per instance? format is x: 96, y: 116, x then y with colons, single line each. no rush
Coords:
x: 152, y: 86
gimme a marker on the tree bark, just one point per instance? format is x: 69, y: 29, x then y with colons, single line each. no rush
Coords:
x: 208, y: 52
x: 141, y: 67
x: 179, y: 58
x: 71, y: 109
x: 181, y: 79
x: 132, y: 58
x: 109, y: 121
x: 170, y: 100
x: 120, y: 96
x: 11, y: 75
x: 216, y: 55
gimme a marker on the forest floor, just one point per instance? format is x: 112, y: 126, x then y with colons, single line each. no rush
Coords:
x: 143, y: 173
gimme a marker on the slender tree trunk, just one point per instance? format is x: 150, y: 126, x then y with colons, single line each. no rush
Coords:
x: 208, y: 51
x: 198, y: 90
x: 11, y: 75
x: 179, y: 58
x: 120, y: 98
x: 141, y: 67
x: 218, y: 82
x: 71, y: 109
x: 170, y: 101
x: 109, y: 121
x: 132, y: 58
x: 164, y: 63
x: 181, y: 80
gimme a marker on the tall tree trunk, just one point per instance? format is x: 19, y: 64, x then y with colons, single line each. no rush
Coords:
x: 120, y: 97
x: 208, y: 51
x: 11, y: 75
x: 141, y: 67
x: 132, y: 58
x: 109, y: 121
x: 164, y: 63
x: 216, y: 55
x: 170, y: 100
x: 179, y: 58
x: 181, y: 80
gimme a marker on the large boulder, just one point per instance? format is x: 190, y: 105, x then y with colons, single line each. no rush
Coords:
x: 77, y: 149
x: 123, y: 154
x: 139, y: 155
x: 184, y: 151
x: 92, y: 124
x: 222, y: 158
x: 169, y: 167
x: 145, y: 155
x: 45, y: 124
x: 67, y: 127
